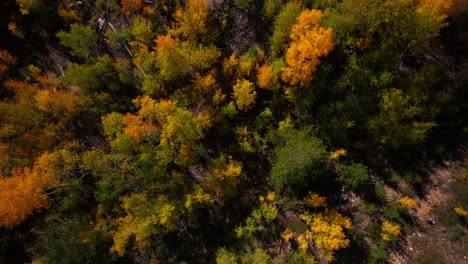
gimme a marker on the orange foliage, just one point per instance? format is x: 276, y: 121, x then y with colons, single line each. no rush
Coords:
x: 6, y: 59
x: 15, y: 31
x: 266, y: 78
x: 58, y: 102
x: 68, y: 14
x: 170, y: 57
x: 441, y: 9
x: 137, y: 129
x: 309, y: 42
x: 22, y: 194
x: 132, y: 5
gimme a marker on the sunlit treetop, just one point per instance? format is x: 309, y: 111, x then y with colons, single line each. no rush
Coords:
x: 309, y: 42
x: 190, y: 21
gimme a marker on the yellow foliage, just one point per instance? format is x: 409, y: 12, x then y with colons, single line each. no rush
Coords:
x: 427, y: 209
x: 309, y: 43
x: 407, y: 202
x: 244, y: 94
x: 230, y: 64
x: 286, y: 124
x: 266, y: 78
x: 327, y: 231
x: 219, y: 97
x: 205, y: 83
x: 153, y: 110
x: 303, y: 244
x: 337, y: 154
x: 315, y: 200
x: 226, y: 171
x: 390, y: 231
x: 170, y: 57
x: 15, y: 30
x: 198, y: 197
x: 144, y: 218
x: 26, y: 5
x: 463, y: 176
x: 246, y: 139
x: 271, y: 196
x: 460, y: 211
x: 191, y: 20
x: 441, y: 9
x: 287, y: 234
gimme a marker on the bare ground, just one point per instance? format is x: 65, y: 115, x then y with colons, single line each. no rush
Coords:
x: 431, y: 235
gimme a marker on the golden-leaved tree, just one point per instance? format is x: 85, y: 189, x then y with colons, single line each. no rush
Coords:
x: 309, y: 42
x: 266, y: 78
x: 23, y: 193
x: 244, y: 94
x: 191, y: 21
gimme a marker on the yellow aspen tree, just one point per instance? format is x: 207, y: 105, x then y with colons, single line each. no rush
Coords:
x: 309, y: 42
x: 170, y: 58
x: 315, y: 200
x: 191, y: 20
x: 390, y: 231
x: 244, y: 94
x: 407, y: 202
x: 327, y: 231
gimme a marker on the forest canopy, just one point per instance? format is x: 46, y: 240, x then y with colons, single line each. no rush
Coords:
x: 215, y: 131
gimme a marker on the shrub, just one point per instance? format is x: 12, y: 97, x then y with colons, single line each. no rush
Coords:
x: 299, y: 159
x: 353, y: 175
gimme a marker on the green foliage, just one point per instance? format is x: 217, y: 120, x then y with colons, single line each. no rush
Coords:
x: 101, y: 76
x: 81, y: 40
x: 263, y: 120
x: 429, y: 256
x: 156, y: 139
x: 379, y: 192
x: 270, y: 7
x: 112, y: 124
x: 282, y: 27
x: 243, y: 3
x: 299, y: 159
x: 230, y: 110
x: 353, y: 175
x: 142, y: 31
x: 225, y: 257
x: 259, y: 218
x: 412, y: 178
x: 73, y: 240
x: 396, y: 125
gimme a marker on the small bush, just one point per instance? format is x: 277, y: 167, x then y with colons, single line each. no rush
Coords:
x: 353, y: 175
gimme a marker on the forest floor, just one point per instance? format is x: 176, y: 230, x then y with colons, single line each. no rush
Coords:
x: 434, y: 240
x: 437, y: 235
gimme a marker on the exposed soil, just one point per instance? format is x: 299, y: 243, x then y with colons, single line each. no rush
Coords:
x: 433, y: 237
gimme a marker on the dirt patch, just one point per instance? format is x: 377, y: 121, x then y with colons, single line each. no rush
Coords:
x: 435, y: 242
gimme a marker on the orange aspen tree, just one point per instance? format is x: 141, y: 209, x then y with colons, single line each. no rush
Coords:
x: 309, y: 42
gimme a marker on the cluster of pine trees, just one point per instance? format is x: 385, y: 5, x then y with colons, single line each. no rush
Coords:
x: 216, y: 131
